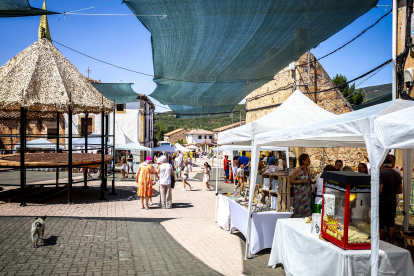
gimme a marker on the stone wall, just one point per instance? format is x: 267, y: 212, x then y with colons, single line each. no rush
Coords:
x: 173, y: 138
x: 267, y: 98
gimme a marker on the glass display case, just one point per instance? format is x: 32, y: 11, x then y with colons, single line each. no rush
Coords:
x: 346, y: 209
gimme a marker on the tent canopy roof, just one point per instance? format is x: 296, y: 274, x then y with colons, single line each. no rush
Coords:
x: 180, y: 147
x: 132, y: 146
x: 297, y: 110
x: 40, y: 78
x: 120, y: 93
x: 164, y: 148
x: 345, y: 130
x: 40, y: 143
x: 208, y: 55
x: 17, y: 8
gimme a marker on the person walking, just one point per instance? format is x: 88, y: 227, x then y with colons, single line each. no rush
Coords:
x: 130, y: 163
x: 180, y: 162
x: 206, y: 177
x: 302, y: 188
x: 145, y: 182
x: 185, y: 176
x: 124, y: 166
x: 165, y: 174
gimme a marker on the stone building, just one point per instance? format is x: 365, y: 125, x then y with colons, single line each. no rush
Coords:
x: 175, y: 135
x: 308, y: 79
x: 221, y: 129
x: 37, y: 124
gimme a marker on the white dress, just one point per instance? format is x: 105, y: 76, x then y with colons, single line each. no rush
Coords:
x: 206, y: 177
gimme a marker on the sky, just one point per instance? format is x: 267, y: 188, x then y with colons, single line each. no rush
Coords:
x: 124, y: 41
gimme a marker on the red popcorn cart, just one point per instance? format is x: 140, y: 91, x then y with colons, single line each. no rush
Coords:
x: 346, y: 209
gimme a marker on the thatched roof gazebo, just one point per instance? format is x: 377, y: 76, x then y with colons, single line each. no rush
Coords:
x: 40, y: 78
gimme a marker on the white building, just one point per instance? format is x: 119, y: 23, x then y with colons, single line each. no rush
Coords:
x: 199, y: 136
x: 134, y: 123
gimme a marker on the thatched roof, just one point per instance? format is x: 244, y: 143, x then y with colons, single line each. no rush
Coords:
x: 40, y: 78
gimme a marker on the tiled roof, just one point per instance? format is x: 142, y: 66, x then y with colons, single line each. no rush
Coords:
x: 144, y: 97
x: 220, y: 129
x: 175, y: 131
x: 200, y: 131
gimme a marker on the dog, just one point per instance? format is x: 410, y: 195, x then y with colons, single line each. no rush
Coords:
x: 38, y: 227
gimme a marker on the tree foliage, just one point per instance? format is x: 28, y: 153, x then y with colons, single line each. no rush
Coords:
x: 353, y: 97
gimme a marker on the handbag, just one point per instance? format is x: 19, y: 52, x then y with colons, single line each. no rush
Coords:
x: 172, y: 177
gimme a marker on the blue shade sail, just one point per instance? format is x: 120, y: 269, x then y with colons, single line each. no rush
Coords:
x: 18, y: 8
x: 120, y: 93
x: 209, y: 54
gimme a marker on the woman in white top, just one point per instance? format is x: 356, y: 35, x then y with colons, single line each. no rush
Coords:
x: 186, y: 171
x: 206, y: 177
x: 165, y: 172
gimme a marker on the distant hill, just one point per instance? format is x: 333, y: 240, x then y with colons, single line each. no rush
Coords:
x: 372, y: 92
x: 207, y: 123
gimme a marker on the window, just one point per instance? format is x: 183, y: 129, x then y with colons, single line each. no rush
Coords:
x: 211, y: 137
x: 199, y: 137
x: 121, y: 108
x: 90, y: 130
x: 205, y: 137
x: 52, y: 133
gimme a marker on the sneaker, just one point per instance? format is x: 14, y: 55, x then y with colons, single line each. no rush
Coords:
x: 183, y: 190
x: 226, y: 182
x: 209, y: 189
x: 191, y: 186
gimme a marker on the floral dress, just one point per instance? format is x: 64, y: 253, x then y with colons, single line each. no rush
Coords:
x: 144, y: 180
x: 302, y: 197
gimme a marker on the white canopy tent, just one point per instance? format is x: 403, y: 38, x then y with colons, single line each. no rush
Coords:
x: 370, y: 128
x: 40, y: 143
x: 164, y: 148
x: 297, y: 110
x: 181, y: 148
x: 94, y: 141
x: 132, y: 147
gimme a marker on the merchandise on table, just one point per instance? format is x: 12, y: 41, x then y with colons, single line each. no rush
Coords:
x: 346, y: 209
x: 316, y: 224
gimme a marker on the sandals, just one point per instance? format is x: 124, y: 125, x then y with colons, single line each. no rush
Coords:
x: 142, y: 207
x: 146, y: 207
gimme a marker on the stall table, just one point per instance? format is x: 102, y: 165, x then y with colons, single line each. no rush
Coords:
x: 303, y: 253
x: 263, y: 223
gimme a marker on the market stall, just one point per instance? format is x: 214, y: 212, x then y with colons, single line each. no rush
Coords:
x: 303, y: 253
x: 355, y: 129
x: 263, y: 222
x: 297, y: 110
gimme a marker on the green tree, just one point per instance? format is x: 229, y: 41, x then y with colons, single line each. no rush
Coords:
x: 161, y: 130
x: 181, y: 141
x: 353, y: 97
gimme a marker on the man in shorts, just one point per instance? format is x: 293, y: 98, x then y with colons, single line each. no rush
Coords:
x: 226, y: 169
x: 130, y: 162
x: 390, y: 186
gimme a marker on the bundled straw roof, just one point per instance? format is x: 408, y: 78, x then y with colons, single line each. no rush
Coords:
x: 40, y: 78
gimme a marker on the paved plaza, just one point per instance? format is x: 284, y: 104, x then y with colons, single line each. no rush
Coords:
x: 117, y: 237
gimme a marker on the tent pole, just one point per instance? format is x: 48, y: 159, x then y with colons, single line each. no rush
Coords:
x: 113, y: 156
x: 102, y: 189
x: 70, y: 180
x: 253, y: 174
x: 57, y: 146
x: 323, y: 158
x: 106, y: 150
x: 22, y: 155
x: 394, y: 49
x: 85, y: 175
x: 217, y: 175
x: 287, y: 158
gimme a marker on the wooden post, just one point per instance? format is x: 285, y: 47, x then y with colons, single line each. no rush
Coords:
x: 70, y: 160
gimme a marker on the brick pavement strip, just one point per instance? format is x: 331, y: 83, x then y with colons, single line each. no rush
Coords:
x: 117, y: 237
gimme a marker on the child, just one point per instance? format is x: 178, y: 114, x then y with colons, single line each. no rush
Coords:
x: 240, y: 177
x: 235, y: 168
x: 206, y: 177
x: 186, y: 170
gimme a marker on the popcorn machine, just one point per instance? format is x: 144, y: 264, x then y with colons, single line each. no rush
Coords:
x: 346, y: 209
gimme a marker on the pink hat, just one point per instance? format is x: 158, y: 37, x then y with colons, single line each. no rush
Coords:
x: 149, y: 158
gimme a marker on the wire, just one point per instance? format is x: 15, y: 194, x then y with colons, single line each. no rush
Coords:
x: 352, y: 40
x: 96, y: 6
x: 116, y: 14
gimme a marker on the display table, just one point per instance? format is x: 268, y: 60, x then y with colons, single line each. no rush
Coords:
x: 223, y: 213
x: 303, y: 253
x: 263, y: 225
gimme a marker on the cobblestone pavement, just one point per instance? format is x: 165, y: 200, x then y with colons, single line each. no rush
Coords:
x: 117, y: 237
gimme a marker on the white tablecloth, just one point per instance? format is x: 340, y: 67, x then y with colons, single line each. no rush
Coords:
x: 263, y: 225
x: 223, y: 213
x: 303, y: 253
